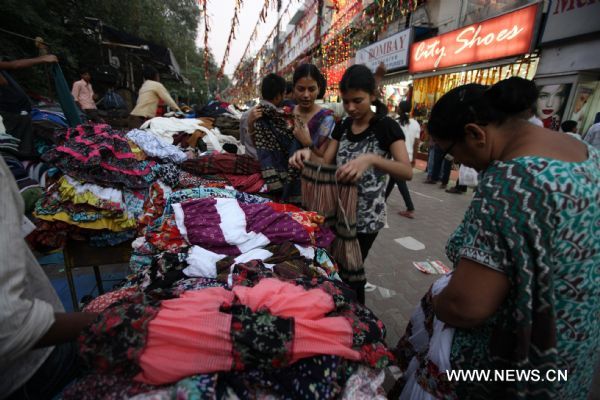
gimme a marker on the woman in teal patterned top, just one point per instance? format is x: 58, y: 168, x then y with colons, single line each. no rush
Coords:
x: 525, y: 291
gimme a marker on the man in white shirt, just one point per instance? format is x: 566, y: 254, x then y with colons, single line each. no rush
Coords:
x: 412, y: 133
x: 37, y: 351
x: 593, y: 134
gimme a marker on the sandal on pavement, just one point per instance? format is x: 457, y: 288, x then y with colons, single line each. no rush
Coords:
x: 407, y: 214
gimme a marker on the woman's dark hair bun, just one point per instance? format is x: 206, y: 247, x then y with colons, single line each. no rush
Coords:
x: 513, y: 95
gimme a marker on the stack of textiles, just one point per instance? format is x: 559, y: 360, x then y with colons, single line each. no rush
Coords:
x: 228, y: 125
x: 155, y: 146
x: 169, y: 128
x: 296, y: 338
x: 216, y: 108
x: 30, y: 189
x: 241, y: 171
x: 230, y: 294
x: 100, y: 155
x: 109, y: 214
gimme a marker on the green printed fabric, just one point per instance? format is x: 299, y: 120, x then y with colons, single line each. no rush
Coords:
x: 537, y: 220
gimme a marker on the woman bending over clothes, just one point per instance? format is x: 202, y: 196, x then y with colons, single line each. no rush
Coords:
x: 525, y: 291
x: 366, y: 146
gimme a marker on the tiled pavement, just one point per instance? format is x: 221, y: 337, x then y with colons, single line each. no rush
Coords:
x: 390, y: 265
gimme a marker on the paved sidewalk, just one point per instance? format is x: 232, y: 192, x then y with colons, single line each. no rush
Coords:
x: 390, y: 265
x: 400, y: 286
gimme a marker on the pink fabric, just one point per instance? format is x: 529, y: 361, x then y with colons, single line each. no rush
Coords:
x: 314, y: 333
x: 188, y: 336
x: 191, y: 336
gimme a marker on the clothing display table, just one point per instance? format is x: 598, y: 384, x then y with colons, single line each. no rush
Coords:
x: 80, y: 254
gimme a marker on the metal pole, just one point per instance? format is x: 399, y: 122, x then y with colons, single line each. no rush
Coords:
x: 277, y: 37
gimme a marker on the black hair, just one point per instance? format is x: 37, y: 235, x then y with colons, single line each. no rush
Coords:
x: 272, y: 85
x: 469, y: 103
x: 403, y: 109
x: 150, y: 72
x: 568, y: 126
x: 84, y: 71
x: 289, y: 87
x: 311, y: 71
x: 359, y: 77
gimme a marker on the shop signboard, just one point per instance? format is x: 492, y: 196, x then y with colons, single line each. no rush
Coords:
x: 569, y: 18
x: 504, y: 36
x: 392, y: 51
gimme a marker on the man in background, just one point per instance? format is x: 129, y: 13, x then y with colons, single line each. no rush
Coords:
x: 151, y: 92
x: 593, y: 134
x: 84, y: 96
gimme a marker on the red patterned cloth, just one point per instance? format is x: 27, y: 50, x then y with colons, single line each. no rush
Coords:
x: 225, y: 163
x: 102, y: 302
x: 246, y: 183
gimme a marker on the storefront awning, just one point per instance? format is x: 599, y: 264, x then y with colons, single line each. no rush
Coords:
x: 396, y: 77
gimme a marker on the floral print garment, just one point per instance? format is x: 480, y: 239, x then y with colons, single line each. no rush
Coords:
x: 260, y: 340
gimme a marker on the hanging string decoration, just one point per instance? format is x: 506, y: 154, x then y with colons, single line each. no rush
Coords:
x: 234, y: 24
x: 261, y: 18
x: 204, y: 9
x: 245, y: 71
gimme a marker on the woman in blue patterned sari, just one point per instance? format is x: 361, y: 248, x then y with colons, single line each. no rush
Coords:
x: 524, y: 297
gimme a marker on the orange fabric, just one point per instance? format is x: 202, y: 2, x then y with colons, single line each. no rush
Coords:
x: 190, y: 335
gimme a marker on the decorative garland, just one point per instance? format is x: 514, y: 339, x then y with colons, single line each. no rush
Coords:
x: 261, y: 18
x: 203, y: 5
x: 353, y: 29
x: 234, y: 23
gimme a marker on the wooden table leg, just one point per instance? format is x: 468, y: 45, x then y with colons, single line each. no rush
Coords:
x: 71, y: 283
x: 98, y: 279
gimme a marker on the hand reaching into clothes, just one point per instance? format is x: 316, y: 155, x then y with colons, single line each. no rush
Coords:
x: 297, y: 160
x: 353, y: 170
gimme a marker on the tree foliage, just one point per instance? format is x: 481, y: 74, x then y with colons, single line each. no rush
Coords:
x: 62, y: 23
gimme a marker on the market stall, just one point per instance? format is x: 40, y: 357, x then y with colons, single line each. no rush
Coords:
x: 229, y: 292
